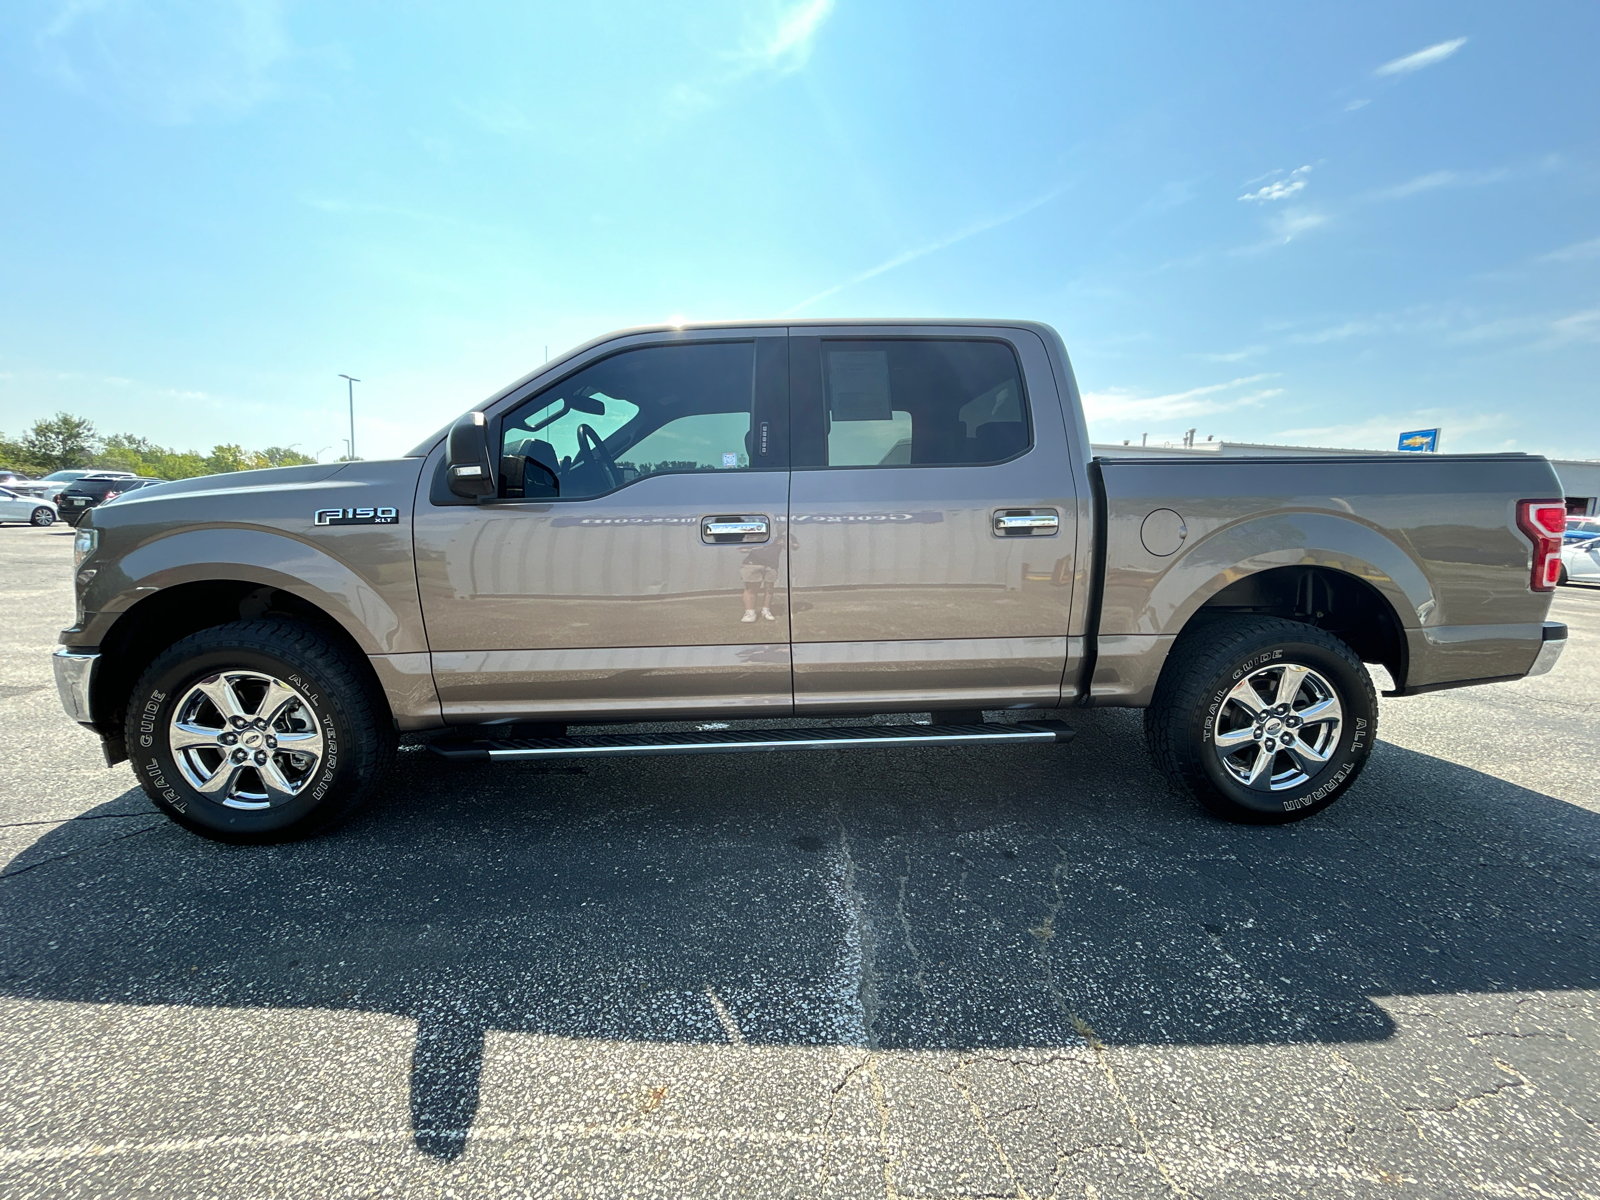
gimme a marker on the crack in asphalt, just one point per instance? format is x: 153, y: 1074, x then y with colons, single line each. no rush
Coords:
x: 79, y: 817
x: 44, y: 862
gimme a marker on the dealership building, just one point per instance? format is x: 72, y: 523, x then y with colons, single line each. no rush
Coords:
x: 1580, y: 479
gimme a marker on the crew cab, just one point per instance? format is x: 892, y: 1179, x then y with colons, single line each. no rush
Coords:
x: 804, y: 522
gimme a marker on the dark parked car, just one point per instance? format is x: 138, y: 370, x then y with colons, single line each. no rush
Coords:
x: 94, y: 490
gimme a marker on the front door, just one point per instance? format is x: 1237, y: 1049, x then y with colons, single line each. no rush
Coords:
x: 932, y: 520
x: 635, y: 561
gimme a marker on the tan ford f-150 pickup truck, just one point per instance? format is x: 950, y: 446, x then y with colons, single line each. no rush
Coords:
x: 794, y: 521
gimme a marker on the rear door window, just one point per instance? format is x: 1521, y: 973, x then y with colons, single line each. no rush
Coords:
x: 914, y: 402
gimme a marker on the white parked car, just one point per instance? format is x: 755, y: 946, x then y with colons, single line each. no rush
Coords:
x: 1580, y: 561
x: 29, y: 509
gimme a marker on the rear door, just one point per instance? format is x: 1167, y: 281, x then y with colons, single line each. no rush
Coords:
x: 635, y: 562
x: 932, y: 518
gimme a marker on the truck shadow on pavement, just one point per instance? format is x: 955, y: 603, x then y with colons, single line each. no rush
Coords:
x: 916, y: 899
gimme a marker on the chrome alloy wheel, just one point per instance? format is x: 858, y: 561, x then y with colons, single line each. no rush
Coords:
x: 1277, y: 728
x: 246, y: 740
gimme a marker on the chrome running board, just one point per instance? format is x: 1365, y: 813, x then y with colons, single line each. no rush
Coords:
x: 722, y: 741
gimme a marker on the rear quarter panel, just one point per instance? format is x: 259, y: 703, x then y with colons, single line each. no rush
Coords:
x: 1435, y: 536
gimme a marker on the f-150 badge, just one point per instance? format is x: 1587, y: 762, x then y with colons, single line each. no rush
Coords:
x: 356, y: 516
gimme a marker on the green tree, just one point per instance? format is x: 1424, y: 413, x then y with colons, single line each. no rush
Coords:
x: 17, y: 457
x: 68, y: 441
x: 62, y: 441
x: 178, y: 464
x: 233, y: 458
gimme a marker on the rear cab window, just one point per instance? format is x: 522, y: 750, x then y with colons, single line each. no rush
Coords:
x: 908, y: 402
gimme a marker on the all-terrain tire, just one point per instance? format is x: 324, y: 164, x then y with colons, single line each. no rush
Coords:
x: 1205, y: 738
x: 336, y: 708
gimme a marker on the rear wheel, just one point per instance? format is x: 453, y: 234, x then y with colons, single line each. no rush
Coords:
x: 258, y: 731
x: 1262, y: 720
x: 42, y: 517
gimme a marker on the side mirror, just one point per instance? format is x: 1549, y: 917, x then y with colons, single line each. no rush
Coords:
x: 469, y: 472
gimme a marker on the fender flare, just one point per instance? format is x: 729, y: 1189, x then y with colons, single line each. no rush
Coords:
x: 300, y: 569
x: 1294, y: 539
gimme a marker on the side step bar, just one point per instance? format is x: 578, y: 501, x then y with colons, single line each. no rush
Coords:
x: 836, y: 737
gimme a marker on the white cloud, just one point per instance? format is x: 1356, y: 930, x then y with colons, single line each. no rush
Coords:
x: 1119, y: 404
x: 1383, y: 432
x: 783, y: 43
x: 1337, y: 333
x: 1574, y: 252
x: 900, y: 260
x: 1291, y: 223
x: 777, y: 41
x: 174, y: 61
x: 1235, y: 355
x: 1439, y: 179
x: 1456, y: 326
x: 1436, y: 53
x: 1280, y: 189
x: 1578, y: 327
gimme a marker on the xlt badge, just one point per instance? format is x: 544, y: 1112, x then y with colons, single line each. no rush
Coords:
x: 356, y: 516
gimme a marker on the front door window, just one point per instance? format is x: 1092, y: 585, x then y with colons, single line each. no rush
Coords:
x: 652, y: 411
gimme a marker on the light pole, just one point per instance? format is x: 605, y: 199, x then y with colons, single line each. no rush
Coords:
x: 351, y: 387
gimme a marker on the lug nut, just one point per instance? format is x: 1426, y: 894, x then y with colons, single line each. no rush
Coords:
x: 261, y: 758
x: 272, y: 743
x: 239, y: 756
x: 228, y: 739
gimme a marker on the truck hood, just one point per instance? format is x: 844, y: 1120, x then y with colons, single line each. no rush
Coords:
x: 288, y: 498
x: 268, y: 479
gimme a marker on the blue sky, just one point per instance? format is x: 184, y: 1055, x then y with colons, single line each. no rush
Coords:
x: 1289, y: 223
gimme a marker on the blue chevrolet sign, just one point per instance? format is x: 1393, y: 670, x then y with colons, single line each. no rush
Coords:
x: 1426, y: 440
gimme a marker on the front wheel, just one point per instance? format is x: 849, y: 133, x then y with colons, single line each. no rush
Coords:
x: 1262, y: 720
x: 43, y: 517
x: 258, y: 731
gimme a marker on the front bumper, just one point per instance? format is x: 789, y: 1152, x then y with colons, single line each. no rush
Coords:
x: 1555, y: 641
x: 74, y: 677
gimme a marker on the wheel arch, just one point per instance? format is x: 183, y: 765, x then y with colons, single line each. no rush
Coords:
x: 1338, y: 601
x: 156, y: 621
x: 1256, y: 565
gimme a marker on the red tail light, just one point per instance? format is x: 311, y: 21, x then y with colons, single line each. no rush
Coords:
x: 1544, y: 521
x: 112, y: 495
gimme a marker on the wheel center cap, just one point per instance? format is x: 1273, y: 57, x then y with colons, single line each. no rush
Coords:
x: 1274, y: 725
x: 252, y: 739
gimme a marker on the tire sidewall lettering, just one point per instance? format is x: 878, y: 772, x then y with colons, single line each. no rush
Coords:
x: 1354, y: 740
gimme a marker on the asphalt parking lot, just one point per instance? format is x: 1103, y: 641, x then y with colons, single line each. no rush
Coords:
x: 925, y: 972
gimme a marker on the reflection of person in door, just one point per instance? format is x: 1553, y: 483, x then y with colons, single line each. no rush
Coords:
x: 759, y: 571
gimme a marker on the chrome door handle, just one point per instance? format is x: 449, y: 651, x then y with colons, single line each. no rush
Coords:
x: 1012, y: 523
x: 735, y: 529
